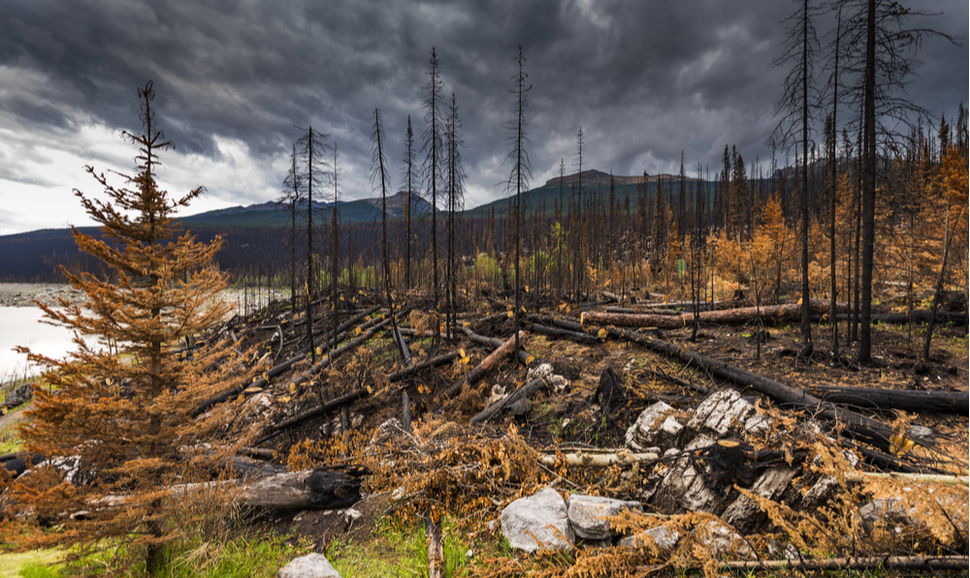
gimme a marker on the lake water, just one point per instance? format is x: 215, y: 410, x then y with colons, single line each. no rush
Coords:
x: 21, y: 326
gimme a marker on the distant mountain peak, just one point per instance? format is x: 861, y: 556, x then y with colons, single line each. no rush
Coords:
x: 594, y: 177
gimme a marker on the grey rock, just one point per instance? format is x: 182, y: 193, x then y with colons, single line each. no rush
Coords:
x: 655, y: 427
x: 588, y: 514
x: 722, y: 540
x: 543, y: 517
x: 663, y: 537
x: 683, y: 488
x: 744, y: 514
x: 310, y: 566
x: 725, y: 413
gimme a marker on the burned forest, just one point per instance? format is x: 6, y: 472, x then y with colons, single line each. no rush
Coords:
x: 759, y: 370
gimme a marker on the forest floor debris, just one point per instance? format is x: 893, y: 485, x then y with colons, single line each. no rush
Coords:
x: 728, y: 474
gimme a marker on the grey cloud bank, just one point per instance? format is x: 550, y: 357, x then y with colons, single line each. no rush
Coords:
x: 645, y: 80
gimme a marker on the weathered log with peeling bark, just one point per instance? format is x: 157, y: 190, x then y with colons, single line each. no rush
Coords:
x: 598, y: 459
x: 768, y: 314
x: 955, y: 402
x: 320, y: 489
x: 487, y: 365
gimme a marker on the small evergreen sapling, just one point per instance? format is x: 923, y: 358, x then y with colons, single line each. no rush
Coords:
x: 124, y: 410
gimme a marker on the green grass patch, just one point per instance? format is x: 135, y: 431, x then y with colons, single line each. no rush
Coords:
x: 31, y: 564
x: 398, y: 550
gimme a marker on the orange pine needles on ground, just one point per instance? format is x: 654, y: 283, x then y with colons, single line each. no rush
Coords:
x: 122, y: 402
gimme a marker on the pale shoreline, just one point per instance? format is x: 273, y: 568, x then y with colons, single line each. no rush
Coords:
x: 24, y: 294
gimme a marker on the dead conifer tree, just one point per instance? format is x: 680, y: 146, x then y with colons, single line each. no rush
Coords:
x: 312, y: 148
x: 455, y: 177
x: 411, y: 180
x: 292, y: 195
x: 123, y: 411
x: 432, y: 163
x: 519, y: 178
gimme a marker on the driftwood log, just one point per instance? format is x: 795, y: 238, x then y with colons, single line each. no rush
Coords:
x: 768, y: 314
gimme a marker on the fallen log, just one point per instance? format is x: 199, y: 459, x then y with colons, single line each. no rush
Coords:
x: 494, y: 342
x: 331, y: 405
x: 521, y: 393
x: 869, y: 430
x: 560, y: 333
x: 320, y: 489
x: 436, y: 555
x: 911, y: 562
x: 433, y: 362
x: 598, y: 460
x: 487, y: 365
x: 297, y: 384
x: 955, y: 402
x: 768, y: 314
x: 916, y: 316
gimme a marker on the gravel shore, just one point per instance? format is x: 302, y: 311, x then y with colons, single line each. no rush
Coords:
x: 24, y: 294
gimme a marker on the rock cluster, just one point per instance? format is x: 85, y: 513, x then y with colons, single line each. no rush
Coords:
x: 547, y: 520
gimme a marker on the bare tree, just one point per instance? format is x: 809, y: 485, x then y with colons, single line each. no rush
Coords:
x: 411, y: 180
x: 799, y: 109
x: 432, y: 146
x: 878, y: 62
x: 455, y: 177
x: 293, y: 191
x: 312, y: 148
x: 519, y: 177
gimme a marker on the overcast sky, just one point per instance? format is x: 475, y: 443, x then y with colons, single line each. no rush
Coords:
x: 644, y: 79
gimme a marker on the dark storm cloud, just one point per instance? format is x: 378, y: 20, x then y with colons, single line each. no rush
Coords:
x: 645, y: 80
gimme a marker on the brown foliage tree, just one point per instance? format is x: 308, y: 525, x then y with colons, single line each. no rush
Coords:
x: 122, y: 409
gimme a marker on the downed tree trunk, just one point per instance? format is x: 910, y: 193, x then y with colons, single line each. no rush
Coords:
x: 869, y: 430
x: 433, y: 362
x: 523, y: 392
x: 770, y: 314
x: 331, y: 405
x: 487, y: 365
x: 494, y: 342
x: 318, y: 489
x: 915, y: 316
x: 350, y: 345
x: 560, y: 333
x: 598, y: 460
x: 436, y: 555
x: 912, y: 562
x: 955, y: 402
